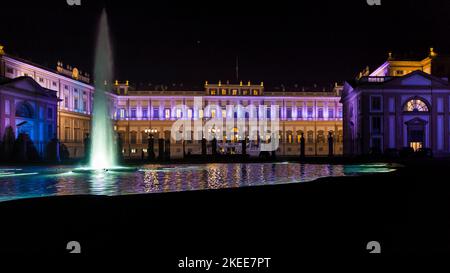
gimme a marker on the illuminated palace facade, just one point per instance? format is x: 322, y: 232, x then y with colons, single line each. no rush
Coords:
x: 312, y: 113
x: 74, y: 95
x: 401, y: 105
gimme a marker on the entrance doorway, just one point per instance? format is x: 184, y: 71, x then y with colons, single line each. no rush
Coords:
x: 416, y: 133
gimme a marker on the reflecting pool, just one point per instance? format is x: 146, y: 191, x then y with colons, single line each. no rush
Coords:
x: 17, y: 183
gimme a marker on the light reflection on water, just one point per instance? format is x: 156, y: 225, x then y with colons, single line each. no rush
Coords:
x: 16, y: 183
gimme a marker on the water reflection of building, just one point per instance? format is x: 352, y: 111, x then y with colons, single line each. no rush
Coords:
x: 402, y: 104
x: 313, y: 114
x: 72, y: 88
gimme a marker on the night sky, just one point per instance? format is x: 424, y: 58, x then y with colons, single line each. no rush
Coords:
x: 303, y: 42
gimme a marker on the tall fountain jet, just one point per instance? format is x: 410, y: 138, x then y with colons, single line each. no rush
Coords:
x: 103, y: 150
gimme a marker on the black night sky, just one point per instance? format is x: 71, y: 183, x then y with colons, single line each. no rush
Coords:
x: 303, y: 42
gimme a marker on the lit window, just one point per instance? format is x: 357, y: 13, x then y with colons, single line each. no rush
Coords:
x: 133, y: 151
x: 255, y: 92
x: 320, y: 113
x: 224, y: 113
x: 167, y: 113
x: 213, y: 113
x: 179, y: 113
x: 310, y: 112
x: 289, y: 113
x: 155, y: 113
x: 200, y: 113
x: 415, y: 105
x: 213, y: 92
x: 224, y: 92
x: 330, y: 113
x: 234, y: 92
x: 299, y: 113
x: 122, y: 113
x: 189, y: 113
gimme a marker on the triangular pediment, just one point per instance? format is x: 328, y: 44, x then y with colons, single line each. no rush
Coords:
x: 418, y: 78
x: 25, y: 83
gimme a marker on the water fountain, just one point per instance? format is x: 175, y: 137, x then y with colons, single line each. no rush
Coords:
x: 103, y: 150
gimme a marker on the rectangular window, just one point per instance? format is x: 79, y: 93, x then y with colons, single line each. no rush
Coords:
x: 234, y: 92
x: 376, y: 125
x: 289, y: 113
x: 66, y: 101
x: 255, y: 92
x: 179, y: 113
x: 167, y: 113
x: 84, y: 105
x: 66, y: 87
x: 155, y: 113
x: 133, y: 113
x: 330, y: 113
x: 224, y: 113
x: 310, y: 112
x: 268, y: 113
x: 50, y: 131
x: 375, y: 103
x: 299, y: 113
x: 189, y: 113
x: 213, y: 113
x: 320, y: 113
x: 41, y: 80
x: 200, y: 113
x: 122, y: 113
x: 75, y: 103
x: 213, y: 92
x: 54, y: 84
x: 144, y: 113
x: 340, y: 113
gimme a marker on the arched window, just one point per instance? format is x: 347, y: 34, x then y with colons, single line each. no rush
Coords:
x: 24, y: 110
x: 415, y: 105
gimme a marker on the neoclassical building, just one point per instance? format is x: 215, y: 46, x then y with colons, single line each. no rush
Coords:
x: 313, y: 114
x: 402, y: 104
x: 73, y: 91
x: 27, y: 107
